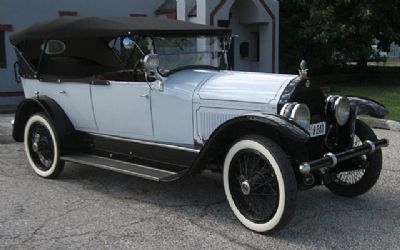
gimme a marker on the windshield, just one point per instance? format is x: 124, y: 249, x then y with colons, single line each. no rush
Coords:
x: 181, y: 52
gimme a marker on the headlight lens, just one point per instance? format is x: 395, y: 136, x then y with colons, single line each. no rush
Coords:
x: 299, y: 112
x: 301, y: 115
x: 341, y: 109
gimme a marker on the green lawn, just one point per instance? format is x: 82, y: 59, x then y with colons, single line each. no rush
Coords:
x: 388, y: 63
x: 384, y: 88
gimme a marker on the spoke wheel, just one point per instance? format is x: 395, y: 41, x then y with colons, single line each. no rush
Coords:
x: 254, y: 185
x: 259, y: 184
x: 352, y: 177
x: 357, y: 176
x: 42, y: 146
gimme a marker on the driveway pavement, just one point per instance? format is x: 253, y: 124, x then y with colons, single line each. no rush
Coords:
x: 96, y: 209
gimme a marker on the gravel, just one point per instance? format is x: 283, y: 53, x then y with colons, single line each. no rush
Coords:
x: 96, y: 209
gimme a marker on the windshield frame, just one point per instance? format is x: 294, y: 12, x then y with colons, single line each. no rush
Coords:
x: 226, y: 43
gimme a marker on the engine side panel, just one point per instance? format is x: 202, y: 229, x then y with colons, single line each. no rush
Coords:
x: 209, y: 115
x: 172, y: 109
x: 228, y: 95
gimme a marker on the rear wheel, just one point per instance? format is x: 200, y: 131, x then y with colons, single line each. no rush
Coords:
x: 42, y: 146
x: 359, y: 175
x: 259, y: 184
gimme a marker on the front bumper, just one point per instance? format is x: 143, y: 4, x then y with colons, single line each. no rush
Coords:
x: 330, y: 160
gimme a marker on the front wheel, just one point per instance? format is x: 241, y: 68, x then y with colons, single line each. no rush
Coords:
x: 42, y: 146
x: 359, y: 175
x: 259, y: 184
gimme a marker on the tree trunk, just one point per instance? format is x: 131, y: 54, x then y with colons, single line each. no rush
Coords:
x: 362, y: 64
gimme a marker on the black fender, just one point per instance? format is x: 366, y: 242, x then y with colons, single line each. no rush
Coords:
x: 44, y: 104
x: 367, y: 106
x: 290, y: 136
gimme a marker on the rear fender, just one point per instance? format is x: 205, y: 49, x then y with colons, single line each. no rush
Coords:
x: 46, y: 105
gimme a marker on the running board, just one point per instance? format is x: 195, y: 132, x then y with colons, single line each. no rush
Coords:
x: 137, y: 170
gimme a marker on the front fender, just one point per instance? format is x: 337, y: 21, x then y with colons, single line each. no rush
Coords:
x: 290, y: 136
x: 46, y: 105
x: 366, y: 106
x: 284, y: 126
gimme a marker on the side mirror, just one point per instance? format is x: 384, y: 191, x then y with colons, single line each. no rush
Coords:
x: 128, y: 43
x: 151, y: 62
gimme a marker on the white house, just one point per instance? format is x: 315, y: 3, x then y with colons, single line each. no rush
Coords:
x: 256, y: 22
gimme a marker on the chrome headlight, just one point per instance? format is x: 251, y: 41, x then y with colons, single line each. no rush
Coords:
x: 341, y: 109
x: 298, y: 112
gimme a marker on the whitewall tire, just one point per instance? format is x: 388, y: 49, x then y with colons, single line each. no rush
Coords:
x: 259, y: 184
x: 42, y: 146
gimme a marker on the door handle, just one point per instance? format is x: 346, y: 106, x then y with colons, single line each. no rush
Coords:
x: 62, y: 92
x: 145, y: 95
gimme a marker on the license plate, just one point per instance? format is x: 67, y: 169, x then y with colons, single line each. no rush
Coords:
x: 317, y: 129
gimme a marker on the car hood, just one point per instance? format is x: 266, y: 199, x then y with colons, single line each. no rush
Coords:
x: 244, y: 86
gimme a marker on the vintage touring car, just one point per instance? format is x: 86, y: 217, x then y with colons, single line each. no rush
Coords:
x: 155, y: 99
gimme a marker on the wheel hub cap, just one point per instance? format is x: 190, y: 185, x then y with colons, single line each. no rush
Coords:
x: 35, y: 147
x: 35, y: 144
x: 245, y: 185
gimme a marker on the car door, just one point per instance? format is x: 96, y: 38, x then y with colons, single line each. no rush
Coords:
x: 73, y: 97
x: 123, y: 109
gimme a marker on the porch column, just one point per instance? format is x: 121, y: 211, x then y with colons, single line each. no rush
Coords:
x: 182, y: 10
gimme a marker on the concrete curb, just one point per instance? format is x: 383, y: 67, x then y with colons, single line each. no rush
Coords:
x: 382, y: 123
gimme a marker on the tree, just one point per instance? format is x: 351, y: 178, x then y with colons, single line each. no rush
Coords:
x: 326, y: 32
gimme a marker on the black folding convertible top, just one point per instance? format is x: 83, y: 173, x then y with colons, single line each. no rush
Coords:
x: 93, y: 27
